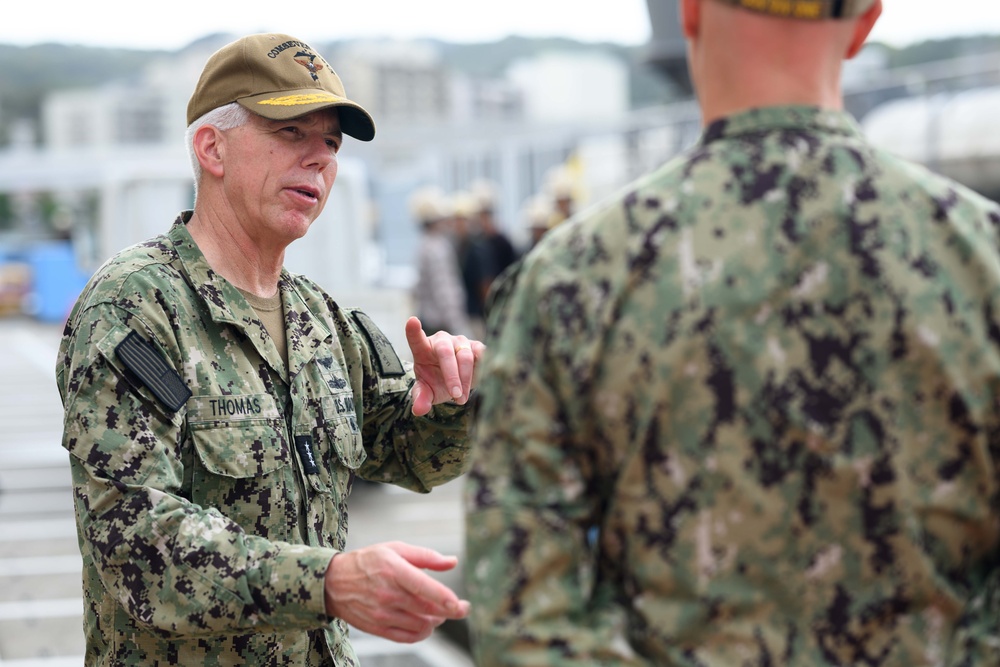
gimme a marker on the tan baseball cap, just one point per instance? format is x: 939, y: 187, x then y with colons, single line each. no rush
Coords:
x: 278, y: 77
x: 806, y: 9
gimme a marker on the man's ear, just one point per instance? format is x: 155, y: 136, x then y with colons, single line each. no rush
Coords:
x: 690, y: 17
x: 862, y: 28
x: 208, y: 145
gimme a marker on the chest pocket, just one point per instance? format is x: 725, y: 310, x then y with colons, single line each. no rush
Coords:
x: 338, y: 436
x: 242, y: 464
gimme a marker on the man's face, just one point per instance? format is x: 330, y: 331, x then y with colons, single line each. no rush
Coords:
x: 278, y: 173
x: 460, y: 225
x: 486, y: 221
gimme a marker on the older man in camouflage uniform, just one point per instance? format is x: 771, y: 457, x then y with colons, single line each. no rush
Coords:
x: 218, y: 408
x: 747, y: 412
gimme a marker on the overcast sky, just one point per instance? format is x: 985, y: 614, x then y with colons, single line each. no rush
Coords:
x: 172, y: 24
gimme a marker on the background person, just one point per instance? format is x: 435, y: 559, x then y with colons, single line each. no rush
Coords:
x: 218, y: 407
x: 748, y: 413
x: 499, y: 249
x: 560, y: 187
x: 439, y: 292
x: 537, y: 212
x: 473, y: 257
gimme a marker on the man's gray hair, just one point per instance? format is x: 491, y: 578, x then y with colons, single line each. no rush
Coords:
x: 226, y: 117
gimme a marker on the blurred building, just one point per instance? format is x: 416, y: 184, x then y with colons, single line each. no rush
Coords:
x: 484, y: 100
x: 437, y: 127
x: 954, y: 134
x: 397, y: 81
x: 115, y: 115
x: 149, y: 110
x: 667, y: 48
x: 572, y: 86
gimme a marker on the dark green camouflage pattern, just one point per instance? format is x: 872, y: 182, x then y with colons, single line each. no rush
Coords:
x: 746, y: 413
x: 204, y: 539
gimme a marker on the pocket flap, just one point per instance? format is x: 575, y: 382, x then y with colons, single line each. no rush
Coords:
x: 241, y: 449
x: 347, y: 443
x: 342, y: 429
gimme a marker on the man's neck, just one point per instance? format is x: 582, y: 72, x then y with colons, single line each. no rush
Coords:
x: 724, y: 95
x: 716, y: 108
x: 234, y: 255
x: 742, y: 61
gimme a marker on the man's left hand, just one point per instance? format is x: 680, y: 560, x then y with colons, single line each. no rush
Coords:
x: 444, y: 366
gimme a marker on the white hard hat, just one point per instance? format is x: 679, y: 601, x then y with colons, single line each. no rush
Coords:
x: 537, y: 212
x: 485, y: 194
x: 559, y: 183
x: 463, y: 204
x: 428, y: 204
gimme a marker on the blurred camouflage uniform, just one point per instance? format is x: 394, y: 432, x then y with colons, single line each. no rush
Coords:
x: 747, y: 414
x: 208, y: 519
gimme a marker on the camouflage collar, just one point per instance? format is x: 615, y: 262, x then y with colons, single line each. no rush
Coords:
x: 227, y: 305
x: 306, y: 330
x: 792, y: 117
x: 214, y: 290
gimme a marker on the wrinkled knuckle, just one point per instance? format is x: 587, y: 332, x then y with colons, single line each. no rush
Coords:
x: 382, y: 616
x: 383, y: 597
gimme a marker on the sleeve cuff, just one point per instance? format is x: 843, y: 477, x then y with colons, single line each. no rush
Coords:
x: 295, y: 586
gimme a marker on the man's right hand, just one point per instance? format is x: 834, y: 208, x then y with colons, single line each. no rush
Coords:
x: 383, y: 590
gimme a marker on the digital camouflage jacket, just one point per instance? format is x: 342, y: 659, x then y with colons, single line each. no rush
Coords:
x: 746, y: 414
x: 210, y: 481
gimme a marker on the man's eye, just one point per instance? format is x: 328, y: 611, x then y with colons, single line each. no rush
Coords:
x: 333, y: 145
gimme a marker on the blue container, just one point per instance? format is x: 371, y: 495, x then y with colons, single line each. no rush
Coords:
x: 57, y: 280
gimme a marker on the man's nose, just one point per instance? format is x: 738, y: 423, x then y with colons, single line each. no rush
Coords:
x: 319, y: 153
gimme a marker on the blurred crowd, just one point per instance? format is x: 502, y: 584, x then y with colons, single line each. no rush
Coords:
x: 464, y: 249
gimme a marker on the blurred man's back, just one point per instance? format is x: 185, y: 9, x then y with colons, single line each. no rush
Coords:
x: 749, y: 412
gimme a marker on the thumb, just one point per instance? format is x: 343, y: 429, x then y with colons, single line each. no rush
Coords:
x: 423, y: 398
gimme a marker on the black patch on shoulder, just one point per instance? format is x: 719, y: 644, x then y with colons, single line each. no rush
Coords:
x: 149, y: 366
x: 388, y: 361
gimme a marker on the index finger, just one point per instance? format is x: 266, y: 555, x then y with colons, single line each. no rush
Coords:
x: 420, y: 345
x: 434, y: 598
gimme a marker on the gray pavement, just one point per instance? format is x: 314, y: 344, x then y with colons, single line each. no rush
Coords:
x: 40, y: 598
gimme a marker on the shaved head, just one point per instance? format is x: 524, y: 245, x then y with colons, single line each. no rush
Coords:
x: 742, y: 59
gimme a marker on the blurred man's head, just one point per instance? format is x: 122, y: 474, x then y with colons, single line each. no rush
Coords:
x: 755, y: 53
x: 536, y: 213
x: 463, y: 211
x: 560, y: 185
x: 485, y: 195
x: 429, y: 209
x: 815, y: 10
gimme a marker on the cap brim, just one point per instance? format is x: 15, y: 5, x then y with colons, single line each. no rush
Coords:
x: 354, y: 120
